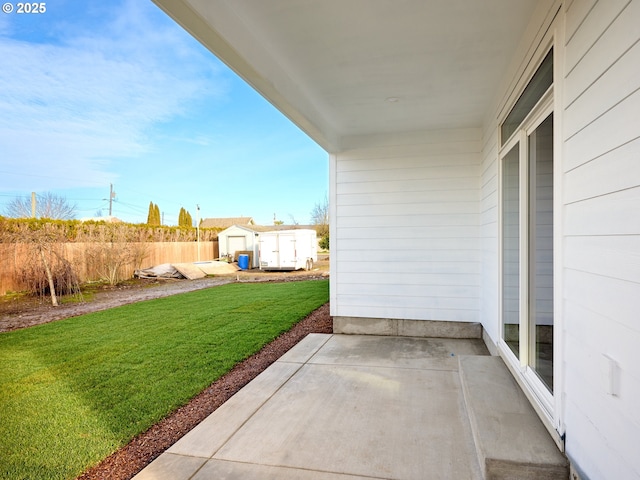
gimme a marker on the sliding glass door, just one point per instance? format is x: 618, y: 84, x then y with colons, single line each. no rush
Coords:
x: 511, y: 248
x: 527, y: 239
x: 527, y: 248
x: 540, y: 250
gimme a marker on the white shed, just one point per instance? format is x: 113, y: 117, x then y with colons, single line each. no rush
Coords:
x: 238, y: 238
x: 288, y: 249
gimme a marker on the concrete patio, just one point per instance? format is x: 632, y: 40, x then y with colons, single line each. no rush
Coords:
x: 353, y: 406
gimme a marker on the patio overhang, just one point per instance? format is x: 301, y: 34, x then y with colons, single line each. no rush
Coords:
x: 341, y: 69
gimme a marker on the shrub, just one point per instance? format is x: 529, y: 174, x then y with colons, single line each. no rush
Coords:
x: 323, y: 243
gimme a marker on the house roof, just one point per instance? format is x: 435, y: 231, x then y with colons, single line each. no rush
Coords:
x: 268, y: 228
x: 225, y: 222
x: 342, y: 70
x: 106, y: 219
x: 271, y: 228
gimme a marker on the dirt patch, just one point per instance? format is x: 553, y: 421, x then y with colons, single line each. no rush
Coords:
x: 20, y: 312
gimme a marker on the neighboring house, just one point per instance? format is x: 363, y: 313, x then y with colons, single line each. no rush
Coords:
x: 225, y: 222
x: 106, y: 219
x: 497, y: 144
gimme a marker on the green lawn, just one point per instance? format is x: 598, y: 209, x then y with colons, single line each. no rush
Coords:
x: 74, y: 391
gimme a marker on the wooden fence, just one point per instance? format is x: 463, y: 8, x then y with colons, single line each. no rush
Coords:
x: 79, y: 255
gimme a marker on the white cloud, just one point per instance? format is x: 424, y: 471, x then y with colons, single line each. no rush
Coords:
x: 69, y: 110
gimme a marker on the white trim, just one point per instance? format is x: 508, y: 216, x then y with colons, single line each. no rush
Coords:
x: 511, y: 362
x: 333, y: 237
x: 523, y: 221
x: 539, y: 390
x: 539, y: 113
x: 558, y: 230
x: 500, y: 343
x: 513, y: 139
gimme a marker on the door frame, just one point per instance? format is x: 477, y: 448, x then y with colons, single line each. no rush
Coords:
x: 548, y: 406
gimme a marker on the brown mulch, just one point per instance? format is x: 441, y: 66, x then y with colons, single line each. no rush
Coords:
x: 129, y: 460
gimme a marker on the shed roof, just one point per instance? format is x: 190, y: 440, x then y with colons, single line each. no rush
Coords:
x: 267, y: 228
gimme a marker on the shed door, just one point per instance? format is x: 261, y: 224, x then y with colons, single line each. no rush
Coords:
x: 287, y: 251
x: 269, y: 251
x: 235, y: 244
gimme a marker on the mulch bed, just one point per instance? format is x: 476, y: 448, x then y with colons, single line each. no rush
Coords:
x: 142, y: 450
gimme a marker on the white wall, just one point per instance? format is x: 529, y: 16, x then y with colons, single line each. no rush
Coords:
x: 489, y: 235
x: 602, y: 235
x: 407, y: 242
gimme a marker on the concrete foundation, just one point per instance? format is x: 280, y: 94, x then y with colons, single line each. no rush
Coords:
x: 406, y: 328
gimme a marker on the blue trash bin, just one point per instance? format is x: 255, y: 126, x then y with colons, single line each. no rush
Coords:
x: 243, y: 261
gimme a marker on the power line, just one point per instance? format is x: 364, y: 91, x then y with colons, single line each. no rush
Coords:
x: 75, y: 199
x: 14, y: 196
x: 134, y: 208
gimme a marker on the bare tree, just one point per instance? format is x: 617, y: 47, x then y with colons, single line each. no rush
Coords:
x: 113, y: 251
x: 293, y: 220
x: 320, y: 216
x: 48, y: 205
x: 45, y: 267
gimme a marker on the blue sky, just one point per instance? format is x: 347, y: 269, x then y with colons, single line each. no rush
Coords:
x: 94, y: 93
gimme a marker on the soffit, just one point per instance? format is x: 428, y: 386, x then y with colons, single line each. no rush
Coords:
x: 332, y: 65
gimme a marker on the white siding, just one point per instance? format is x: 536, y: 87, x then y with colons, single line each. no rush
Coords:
x: 601, y: 257
x: 407, y: 243
x: 489, y: 235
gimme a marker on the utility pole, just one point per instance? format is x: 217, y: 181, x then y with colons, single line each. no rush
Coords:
x: 198, y: 228
x: 33, y: 204
x: 112, y: 196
